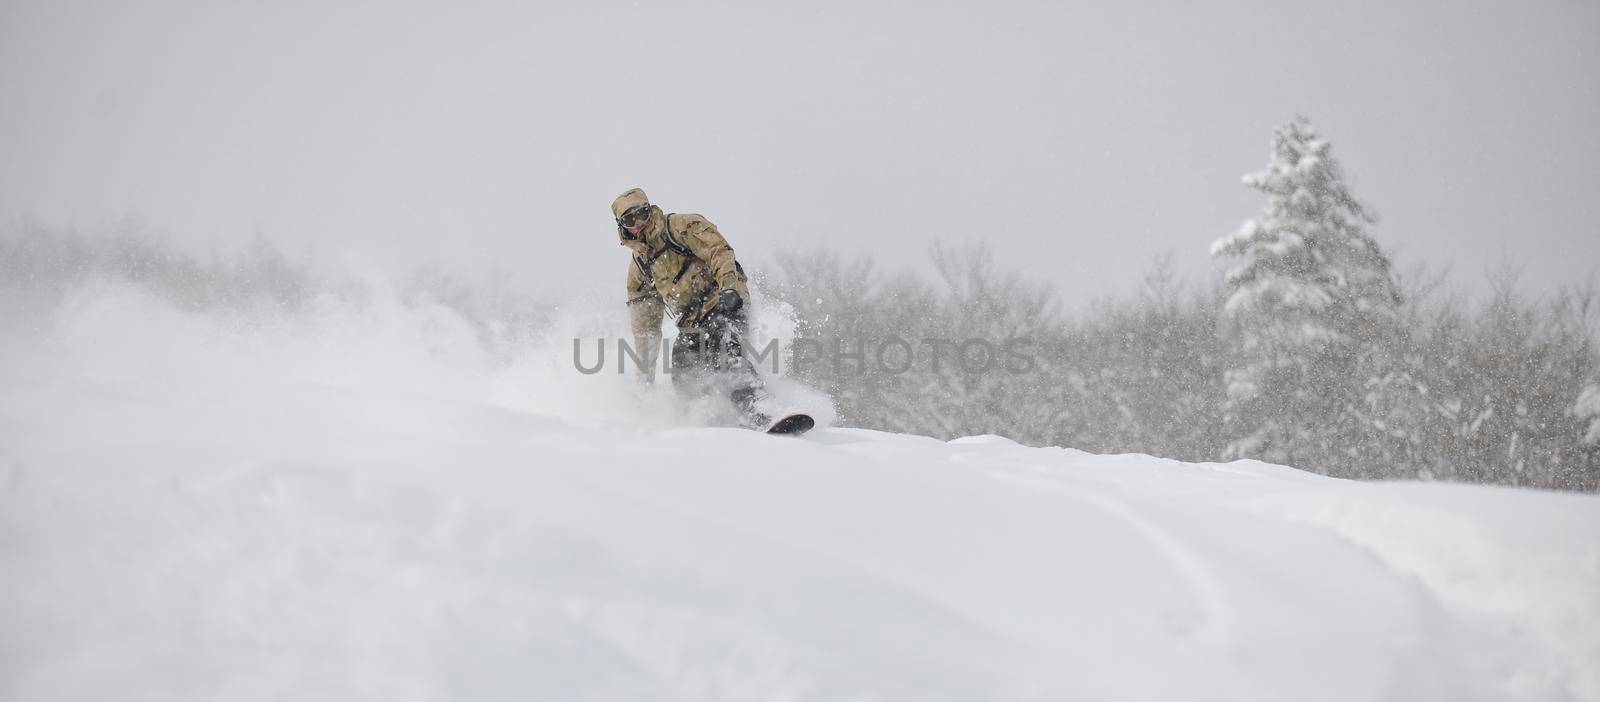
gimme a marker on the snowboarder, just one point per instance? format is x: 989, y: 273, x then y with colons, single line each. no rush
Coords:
x: 681, y: 265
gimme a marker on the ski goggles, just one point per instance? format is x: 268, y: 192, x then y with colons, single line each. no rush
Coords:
x: 635, y: 216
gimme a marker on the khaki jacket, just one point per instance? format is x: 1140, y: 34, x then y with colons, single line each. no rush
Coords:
x: 680, y: 263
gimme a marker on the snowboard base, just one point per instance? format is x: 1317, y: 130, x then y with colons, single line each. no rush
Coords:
x: 793, y: 425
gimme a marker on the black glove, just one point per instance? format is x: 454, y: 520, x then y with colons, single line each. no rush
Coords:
x: 729, y: 303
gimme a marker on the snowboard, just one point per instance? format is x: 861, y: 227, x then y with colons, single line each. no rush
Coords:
x: 792, y: 425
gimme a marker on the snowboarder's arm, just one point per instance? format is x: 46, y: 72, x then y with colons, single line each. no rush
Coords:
x: 645, y: 311
x: 708, y: 245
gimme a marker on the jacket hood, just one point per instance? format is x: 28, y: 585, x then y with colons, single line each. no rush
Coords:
x: 629, y: 199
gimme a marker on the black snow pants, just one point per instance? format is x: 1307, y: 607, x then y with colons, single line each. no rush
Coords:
x: 711, y: 360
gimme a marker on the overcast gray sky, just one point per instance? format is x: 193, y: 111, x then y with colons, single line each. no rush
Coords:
x: 1081, y: 139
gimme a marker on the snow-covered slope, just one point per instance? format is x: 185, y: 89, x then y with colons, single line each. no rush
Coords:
x: 362, y: 504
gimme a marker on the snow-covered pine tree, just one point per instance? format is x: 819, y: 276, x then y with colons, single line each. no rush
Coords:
x: 1589, y: 408
x: 1311, y: 308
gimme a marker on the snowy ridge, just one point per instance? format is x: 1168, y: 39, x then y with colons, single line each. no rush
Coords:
x: 359, y: 504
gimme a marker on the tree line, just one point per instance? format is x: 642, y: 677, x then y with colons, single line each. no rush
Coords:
x: 1312, y: 351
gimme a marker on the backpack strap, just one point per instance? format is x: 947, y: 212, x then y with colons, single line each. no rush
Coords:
x: 671, y: 242
x: 646, y: 262
x: 678, y: 247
